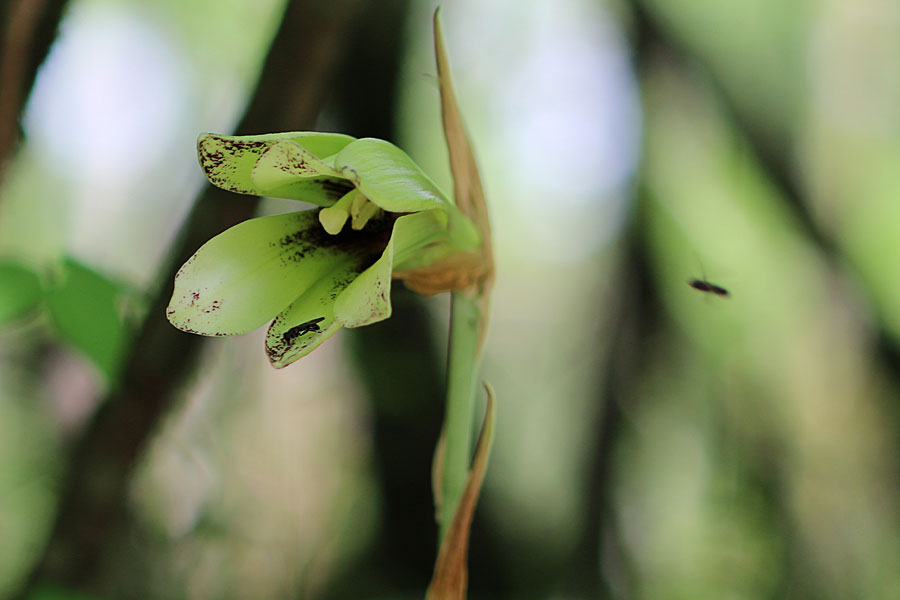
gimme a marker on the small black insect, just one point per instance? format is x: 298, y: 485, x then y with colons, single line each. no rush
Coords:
x: 298, y: 330
x: 705, y: 286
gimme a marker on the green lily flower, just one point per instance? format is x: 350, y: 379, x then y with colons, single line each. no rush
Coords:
x: 311, y: 272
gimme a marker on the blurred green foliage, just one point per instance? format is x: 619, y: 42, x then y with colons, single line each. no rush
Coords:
x: 58, y: 593
x: 86, y: 311
x: 20, y: 290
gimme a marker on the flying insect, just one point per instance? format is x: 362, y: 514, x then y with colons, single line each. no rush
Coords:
x: 705, y: 286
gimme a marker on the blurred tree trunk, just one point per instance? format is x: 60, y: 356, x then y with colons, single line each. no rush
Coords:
x: 93, y: 510
x: 396, y: 359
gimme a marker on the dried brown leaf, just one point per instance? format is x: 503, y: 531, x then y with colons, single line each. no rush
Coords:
x: 450, y: 574
x: 467, y: 189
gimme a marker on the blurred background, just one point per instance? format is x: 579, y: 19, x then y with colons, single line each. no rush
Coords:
x: 653, y: 441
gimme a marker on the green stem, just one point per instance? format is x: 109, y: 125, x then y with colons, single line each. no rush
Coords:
x: 462, y: 363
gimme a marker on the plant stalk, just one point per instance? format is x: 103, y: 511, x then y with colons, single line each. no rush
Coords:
x: 462, y: 365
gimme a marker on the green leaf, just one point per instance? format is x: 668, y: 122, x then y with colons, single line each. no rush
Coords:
x: 282, y: 165
x: 20, y: 290
x: 388, y: 177
x: 85, y: 312
x: 247, y: 275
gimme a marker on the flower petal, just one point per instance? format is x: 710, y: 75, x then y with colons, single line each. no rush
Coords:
x: 284, y: 165
x: 349, y: 295
x: 246, y: 275
x: 388, y: 177
x: 310, y: 319
x: 367, y: 300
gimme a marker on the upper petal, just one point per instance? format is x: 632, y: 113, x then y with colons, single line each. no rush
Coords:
x: 294, y: 165
x: 388, y: 177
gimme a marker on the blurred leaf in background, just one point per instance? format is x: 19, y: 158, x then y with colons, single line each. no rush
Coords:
x: 58, y: 593
x: 87, y: 312
x: 20, y: 290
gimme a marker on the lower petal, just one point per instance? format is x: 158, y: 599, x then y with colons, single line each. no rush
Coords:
x: 310, y: 319
x: 368, y: 299
x: 246, y: 275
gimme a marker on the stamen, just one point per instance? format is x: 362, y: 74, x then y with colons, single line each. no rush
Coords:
x: 334, y: 217
x: 366, y: 212
x: 358, y: 203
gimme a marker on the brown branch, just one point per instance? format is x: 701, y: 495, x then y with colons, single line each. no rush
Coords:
x: 93, y: 510
x: 31, y: 27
